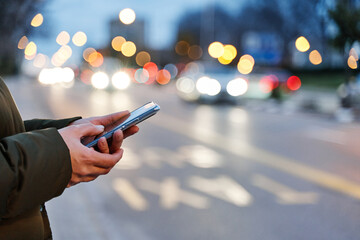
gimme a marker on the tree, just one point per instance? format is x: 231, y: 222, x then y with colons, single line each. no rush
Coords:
x: 346, y: 17
x: 15, y: 17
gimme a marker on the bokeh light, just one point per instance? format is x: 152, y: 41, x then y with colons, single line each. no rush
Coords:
x: 185, y: 85
x: 63, y: 38
x: 182, y: 48
x: 265, y: 85
x: 128, y: 49
x: 237, y: 87
x: 152, y: 70
x: 293, y: 83
x: 40, y: 61
x: 268, y: 83
x: 127, y: 16
x: 209, y: 86
x: 100, y: 80
x: 354, y: 53
x: 224, y: 61
x: 195, y: 52
x: 230, y: 52
x: 61, y: 56
x: 117, y: 43
x: 173, y: 70
x: 315, y: 57
x: 96, y: 59
x: 85, y: 76
x: 79, y: 39
x: 352, y: 63
x: 142, y: 58
x: 30, y: 51
x: 64, y: 52
x: 216, y: 49
x: 23, y: 42
x: 246, y: 64
x: 302, y: 44
x: 141, y: 75
x: 193, y: 68
x: 65, y: 76
x: 121, y: 80
x: 87, y: 52
x: 163, y: 77
x: 37, y: 20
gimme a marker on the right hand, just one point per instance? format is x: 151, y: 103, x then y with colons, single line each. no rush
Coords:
x: 87, y: 164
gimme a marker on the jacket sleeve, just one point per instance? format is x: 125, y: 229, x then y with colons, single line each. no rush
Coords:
x: 34, y: 167
x: 36, y: 124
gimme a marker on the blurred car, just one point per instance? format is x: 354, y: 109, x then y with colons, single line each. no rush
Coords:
x: 110, y: 75
x: 349, y: 93
x: 210, y: 83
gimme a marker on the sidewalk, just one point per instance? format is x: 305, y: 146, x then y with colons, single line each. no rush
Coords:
x: 324, y: 102
x: 318, y: 100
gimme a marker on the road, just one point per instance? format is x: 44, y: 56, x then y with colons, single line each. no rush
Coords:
x: 208, y: 172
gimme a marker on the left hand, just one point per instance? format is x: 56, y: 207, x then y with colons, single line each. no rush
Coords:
x: 109, y: 121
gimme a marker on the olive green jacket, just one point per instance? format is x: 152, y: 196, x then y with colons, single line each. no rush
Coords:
x: 35, y: 167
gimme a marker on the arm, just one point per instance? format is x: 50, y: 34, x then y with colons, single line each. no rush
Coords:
x: 34, y: 167
x: 35, y: 124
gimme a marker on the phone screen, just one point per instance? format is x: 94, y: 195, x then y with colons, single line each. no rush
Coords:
x: 135, y: 117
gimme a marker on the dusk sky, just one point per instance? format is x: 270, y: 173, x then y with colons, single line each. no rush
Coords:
x: 92, y: 17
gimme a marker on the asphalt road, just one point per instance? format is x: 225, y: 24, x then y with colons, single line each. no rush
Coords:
x: 208, y: 172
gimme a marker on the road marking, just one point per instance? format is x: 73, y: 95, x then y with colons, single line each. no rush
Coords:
x: 327, y: 135
x: 223, y: 188
x: 130, y: 195
x: 154, y: 157
x: 171, y: 195
x: 246, y: 151
x: 284, y: 194
x: 201, y: 156
x: 129, y: 161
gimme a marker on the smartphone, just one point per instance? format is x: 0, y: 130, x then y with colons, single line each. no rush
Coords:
x: 135, y: 117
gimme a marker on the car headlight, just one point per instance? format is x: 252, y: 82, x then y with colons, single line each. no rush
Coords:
x: 121, y: 80
x: 209, y: 86
x: 100, y: 80
x: 64, y: 76
x: 237, y: 87
x: 185, y: 85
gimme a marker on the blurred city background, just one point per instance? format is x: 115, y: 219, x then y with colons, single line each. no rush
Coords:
x: 257, y: 137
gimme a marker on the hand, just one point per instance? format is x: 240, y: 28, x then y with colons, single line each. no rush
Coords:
x: 110, y: 121
x: 87, y: 164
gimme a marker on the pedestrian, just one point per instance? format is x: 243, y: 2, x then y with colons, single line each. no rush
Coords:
x: 40, y: 158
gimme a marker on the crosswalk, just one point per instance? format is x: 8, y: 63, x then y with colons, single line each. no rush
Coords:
x: 201, y: 193
x: 195, y: 191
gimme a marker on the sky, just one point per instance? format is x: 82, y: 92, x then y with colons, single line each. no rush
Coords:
x: 93, y: 16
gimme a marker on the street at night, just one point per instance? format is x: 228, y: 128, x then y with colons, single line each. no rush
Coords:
x: 198, y: 171
x: 257, y: 136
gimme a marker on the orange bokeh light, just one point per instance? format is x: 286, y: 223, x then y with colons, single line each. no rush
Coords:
x: 163, y: 77
x: 152, y: 70
x: 182, y: 48
x: 96, y: 59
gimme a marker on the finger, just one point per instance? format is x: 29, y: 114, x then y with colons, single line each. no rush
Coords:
x: 103, y: 160
x: 89, y: 129
x: 111, y: 118
x: 117, y: 140
x: 131, y: 131
x: 103, y: 145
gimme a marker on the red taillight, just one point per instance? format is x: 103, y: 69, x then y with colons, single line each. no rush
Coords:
x: 293, y: 83
x: 269, y: 83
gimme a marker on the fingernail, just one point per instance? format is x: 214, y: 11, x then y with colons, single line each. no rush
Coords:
x: 100, y: 127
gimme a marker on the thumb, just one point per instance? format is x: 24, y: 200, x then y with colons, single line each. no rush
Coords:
x: 90, y: 129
